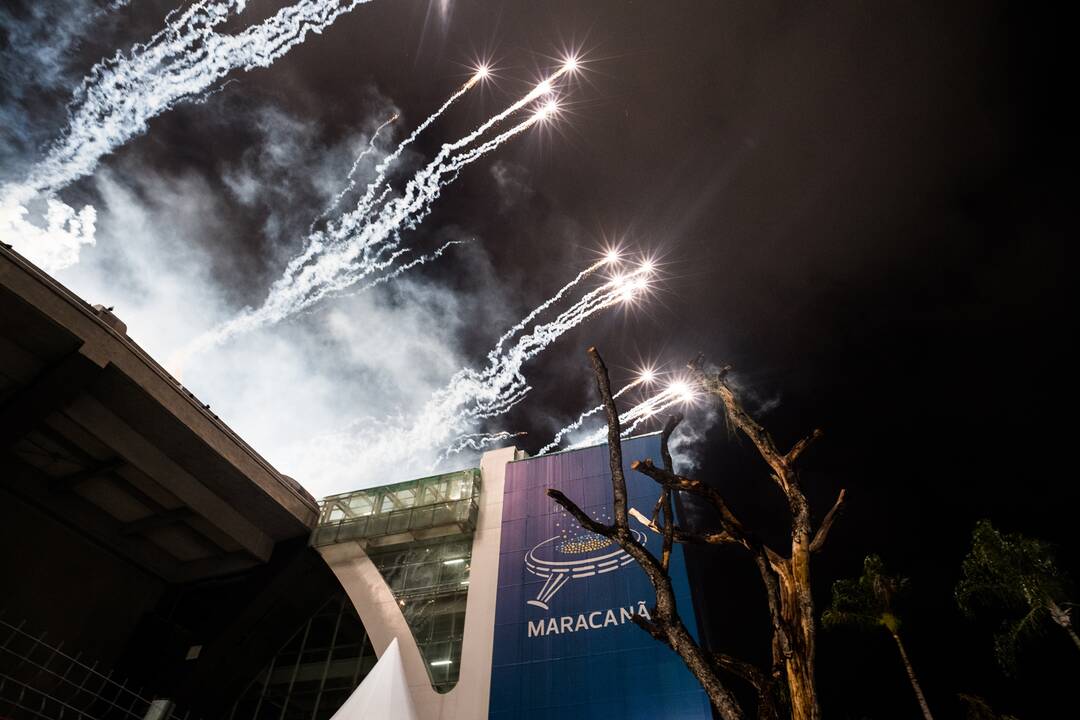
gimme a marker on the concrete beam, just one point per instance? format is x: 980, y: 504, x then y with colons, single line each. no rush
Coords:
x: 215, y: 566
x: 69, y: 482
x: 51, y: 390
x: 144, y: 455
x: 293, y: 512
x: 157, y: 520
x: 32, y: 485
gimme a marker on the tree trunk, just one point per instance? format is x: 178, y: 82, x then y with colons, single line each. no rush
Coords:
x: 1061, y: 617
x: 797, y: 610
x: 911, y: 676
x: 796, y: 602
x: 683, y: 644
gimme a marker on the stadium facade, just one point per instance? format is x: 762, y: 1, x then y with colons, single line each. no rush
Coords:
x: 156, y: 566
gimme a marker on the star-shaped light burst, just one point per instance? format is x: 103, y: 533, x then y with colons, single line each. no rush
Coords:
x: 683, y: 391
x: 547, y: 110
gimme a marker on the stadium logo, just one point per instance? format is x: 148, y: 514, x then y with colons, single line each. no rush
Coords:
x: 566, y: 557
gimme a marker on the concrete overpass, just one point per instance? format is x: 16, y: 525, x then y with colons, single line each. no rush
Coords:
x: 95, y: 432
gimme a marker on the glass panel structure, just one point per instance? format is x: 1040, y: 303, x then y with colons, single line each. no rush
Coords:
x: 419, y: 535
x: 411, y: 507
x: 430, y: 581
x: 315, y: 672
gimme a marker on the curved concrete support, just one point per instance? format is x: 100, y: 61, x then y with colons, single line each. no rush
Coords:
x: 383, y: 620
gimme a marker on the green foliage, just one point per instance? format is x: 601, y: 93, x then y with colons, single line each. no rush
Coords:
x: 1013, y: 573
x: 866, y: 601
x: 975, y: 708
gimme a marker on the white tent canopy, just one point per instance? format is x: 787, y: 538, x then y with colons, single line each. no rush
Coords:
x: 384, y: 693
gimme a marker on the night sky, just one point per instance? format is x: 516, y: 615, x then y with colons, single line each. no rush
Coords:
x: 861, y: 207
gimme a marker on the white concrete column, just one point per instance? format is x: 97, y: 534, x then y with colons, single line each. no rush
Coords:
x: 382, y: 617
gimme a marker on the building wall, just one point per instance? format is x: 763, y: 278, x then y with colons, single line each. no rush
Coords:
x: 380, y: 612
x: 566, y: 644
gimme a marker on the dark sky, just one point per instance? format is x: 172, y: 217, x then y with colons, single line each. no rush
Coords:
x: 860, y: 206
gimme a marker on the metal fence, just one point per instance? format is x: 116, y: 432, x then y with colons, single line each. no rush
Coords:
x: 41, y: 680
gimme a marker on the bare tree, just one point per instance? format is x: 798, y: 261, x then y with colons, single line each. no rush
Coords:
x: 786, y: 577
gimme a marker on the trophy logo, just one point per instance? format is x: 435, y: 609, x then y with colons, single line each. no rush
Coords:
x: 573, y: 554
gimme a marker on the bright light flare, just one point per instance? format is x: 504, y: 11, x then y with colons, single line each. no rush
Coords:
x: 630, y: 286
x: 482, y: 72
x: 647, y: 375
x: 547, y: 110
x: 571, y: 64
x: 611, y: 256
x: 682, y: 390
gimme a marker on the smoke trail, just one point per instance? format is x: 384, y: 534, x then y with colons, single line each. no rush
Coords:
x: 582, y: 418
x: 120, y: 95
x: 422, y: 260
x: 449, y: 417
x: 676, y: 393
x: 446, y: 164
x: 355, y: 246
x: 555, y: 298
x: 476, y: 442
x: 351, y: 177
x: 365, y: 203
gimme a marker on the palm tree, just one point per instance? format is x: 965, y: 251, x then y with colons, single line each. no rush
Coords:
x: 867, y: 601
x: 975, y: 708
x: 1020, y: 575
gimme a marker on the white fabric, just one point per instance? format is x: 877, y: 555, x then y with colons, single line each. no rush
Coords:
x: 384, y: 693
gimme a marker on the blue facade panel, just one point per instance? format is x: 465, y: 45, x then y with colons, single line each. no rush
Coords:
x: 565, y: 646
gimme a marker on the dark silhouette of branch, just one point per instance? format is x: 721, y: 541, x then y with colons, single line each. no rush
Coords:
x: 618, y: 482
x: 664, y: 622
x: 666, y: 498
x: 764, y: 685
x: 802, y: 445
x: 823, y: 531
x: 786, y: 577
x: 672, y: 481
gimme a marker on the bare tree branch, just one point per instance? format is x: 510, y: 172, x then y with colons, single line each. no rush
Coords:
x: 823, y: 531
x: 665, y: 436
x: 672, y: 481
x: 763, y: 684
x: 618, y: 481
x: 786, y: 578
x: 649, y: 627
x: 684, y: 536
x: 666, y: 496
x: 802, y: 445
x: 743, y: 421
x: 580, y: 515
x: 665, y: 624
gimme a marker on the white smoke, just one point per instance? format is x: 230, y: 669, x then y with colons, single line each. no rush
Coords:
x: 120, y: 95
x: 379, y: 353
x: 360, y: 245
x: 375, y: 451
